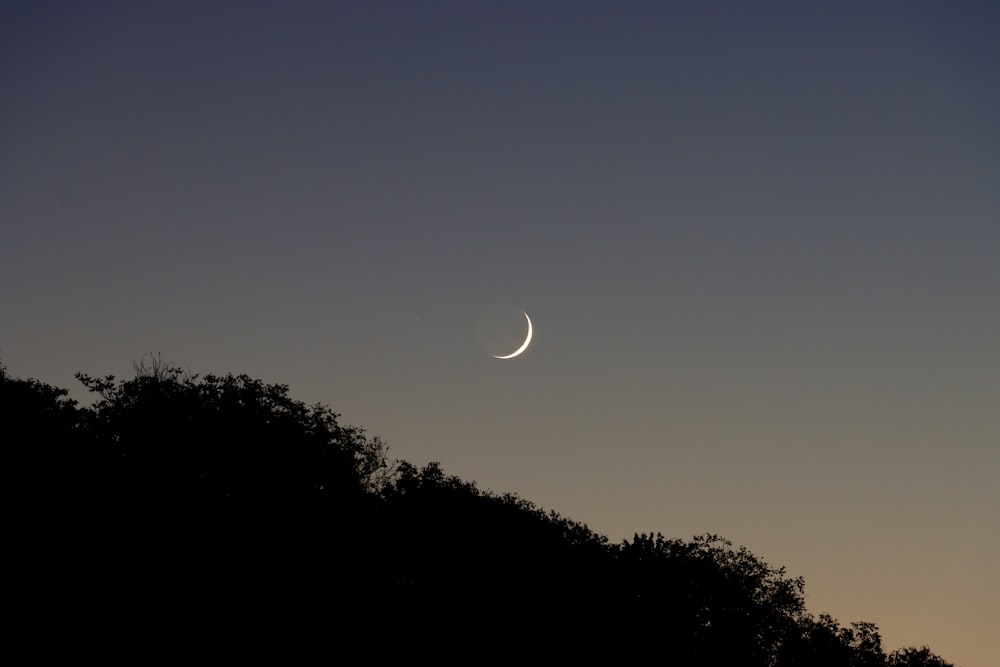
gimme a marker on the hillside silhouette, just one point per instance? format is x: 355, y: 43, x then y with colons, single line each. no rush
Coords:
x: 179, y: 512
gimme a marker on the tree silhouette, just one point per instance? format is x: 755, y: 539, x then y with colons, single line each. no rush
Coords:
x: 824, y: 643
x: 43, y: 442
x: 222, y: 501
x: 916, y: 657
x: 36, y: 416
x: 712, y: 602
x: 179, y: 437
x: 217, y: 489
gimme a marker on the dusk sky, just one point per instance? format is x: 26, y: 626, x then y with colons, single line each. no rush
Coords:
x: 759, y: 243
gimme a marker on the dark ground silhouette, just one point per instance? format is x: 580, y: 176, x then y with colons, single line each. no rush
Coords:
x: 214, y: 516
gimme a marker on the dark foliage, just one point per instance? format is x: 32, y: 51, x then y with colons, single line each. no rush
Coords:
x: 219, y: 508
x: 916, y: 657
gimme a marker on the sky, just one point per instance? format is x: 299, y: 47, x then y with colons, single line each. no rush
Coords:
x: 759, y: 244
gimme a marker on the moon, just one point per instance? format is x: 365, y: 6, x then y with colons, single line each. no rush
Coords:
x: 524, y: 345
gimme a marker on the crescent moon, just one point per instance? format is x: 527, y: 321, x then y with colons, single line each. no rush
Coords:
x: 524, y: 345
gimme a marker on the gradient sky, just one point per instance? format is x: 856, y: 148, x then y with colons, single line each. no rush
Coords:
x: 759, y: 242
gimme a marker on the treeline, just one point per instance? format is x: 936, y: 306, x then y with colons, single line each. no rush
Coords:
x: 179, y: 511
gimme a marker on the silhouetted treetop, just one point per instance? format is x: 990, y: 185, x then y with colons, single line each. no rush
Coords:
x: 916, y: 657
x: 175, y: 434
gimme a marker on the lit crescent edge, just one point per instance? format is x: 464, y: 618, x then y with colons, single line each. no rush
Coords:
x: 524, y: 345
